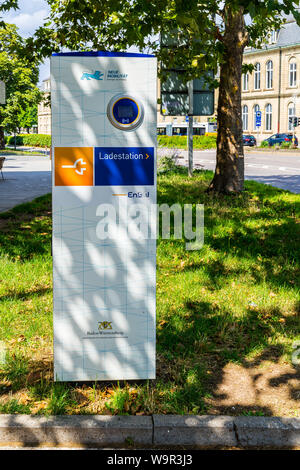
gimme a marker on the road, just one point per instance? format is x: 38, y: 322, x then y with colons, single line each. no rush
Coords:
x: 278, y: 169
x: 25, y: 178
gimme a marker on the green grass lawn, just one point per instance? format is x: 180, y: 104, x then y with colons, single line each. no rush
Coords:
x: 5, y: 152
x: 234, y: 301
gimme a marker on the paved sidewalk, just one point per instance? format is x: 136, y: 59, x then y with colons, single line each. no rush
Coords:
x: 25, y: 178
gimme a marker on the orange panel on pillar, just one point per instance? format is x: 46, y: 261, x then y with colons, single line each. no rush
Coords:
x: 74, y: 166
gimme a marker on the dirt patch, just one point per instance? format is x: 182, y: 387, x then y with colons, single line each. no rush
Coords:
x: 267, y: 389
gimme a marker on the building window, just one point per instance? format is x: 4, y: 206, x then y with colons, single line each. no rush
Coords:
x: 273, y: 36
x: 257, y: 76
x: 291, y: 114
x: 268, y: 119
x: 269, y: 74
x: 245, y: 81
x: 293, y: 73
x: 245, y: 117
x: 255, y: 109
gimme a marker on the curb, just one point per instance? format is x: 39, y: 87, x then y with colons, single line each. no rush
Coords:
x: 196, y: 431
x: 86, y: 431
x: 255, y: 431
x: 150, y: 431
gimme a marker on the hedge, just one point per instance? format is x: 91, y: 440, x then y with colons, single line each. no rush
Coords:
x: 30, y: 140
x: 211, y: 134
x: 180, y: 142
x: 43, y: 140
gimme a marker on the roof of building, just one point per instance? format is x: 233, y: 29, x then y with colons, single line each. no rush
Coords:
x: 288, y: 35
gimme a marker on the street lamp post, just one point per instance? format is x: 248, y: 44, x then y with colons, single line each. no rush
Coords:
x: 2, y: 92
x: 190, y: 128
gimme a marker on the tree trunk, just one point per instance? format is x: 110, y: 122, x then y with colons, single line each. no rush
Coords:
x: 229, y: 173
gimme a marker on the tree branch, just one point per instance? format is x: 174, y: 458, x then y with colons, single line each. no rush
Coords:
x: 216, y: 33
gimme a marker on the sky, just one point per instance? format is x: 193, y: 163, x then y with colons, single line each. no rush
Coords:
x: 28, y: 18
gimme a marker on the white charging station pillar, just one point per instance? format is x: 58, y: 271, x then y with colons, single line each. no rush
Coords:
x: 104, y: 226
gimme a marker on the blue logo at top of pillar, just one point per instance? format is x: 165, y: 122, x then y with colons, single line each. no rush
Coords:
x: 124, y: 166
x: 97, y: 75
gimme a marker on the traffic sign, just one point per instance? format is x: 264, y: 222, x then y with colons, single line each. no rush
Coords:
x: 177, y: 95
x: 258, y: 118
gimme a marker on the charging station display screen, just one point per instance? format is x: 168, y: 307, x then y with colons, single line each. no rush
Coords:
x: 125, y: 110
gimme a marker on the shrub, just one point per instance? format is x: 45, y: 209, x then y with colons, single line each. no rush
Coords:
x: 180, y: 141
x: 10, y: 140
x: 287, y: 145
x: 29, y: 140
x: 167, y: 160
x: 264, y: 144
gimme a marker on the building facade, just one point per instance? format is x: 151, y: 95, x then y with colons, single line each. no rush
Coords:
x: 44, y: 111
x: 274, y: 85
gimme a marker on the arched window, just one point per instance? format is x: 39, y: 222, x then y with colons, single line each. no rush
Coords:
x: 245, y: 81
x: 255, y: 109
x: 257, y: 76
x: 268, y: 119
x: 291, y: 114
x: 269, y: 74
x: 293, y: 73
x: 245, y: 117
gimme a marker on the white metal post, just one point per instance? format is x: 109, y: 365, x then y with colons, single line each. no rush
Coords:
x: 190, y: 129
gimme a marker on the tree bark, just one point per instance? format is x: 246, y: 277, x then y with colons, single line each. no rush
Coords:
x: 229, y: 173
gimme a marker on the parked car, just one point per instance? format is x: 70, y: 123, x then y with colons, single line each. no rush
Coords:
x: 249, y: 140
x: 278, y: 139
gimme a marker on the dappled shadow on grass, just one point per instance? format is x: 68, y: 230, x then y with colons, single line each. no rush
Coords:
x: 264, y: 270
x: 209, y: 329
x: 231, y: 375
x: 258, y: 228
x: 13, y: 295
x: 25, y: 231
x: 19, y: 371
x: 251, y: 243
x: 198, y: 339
